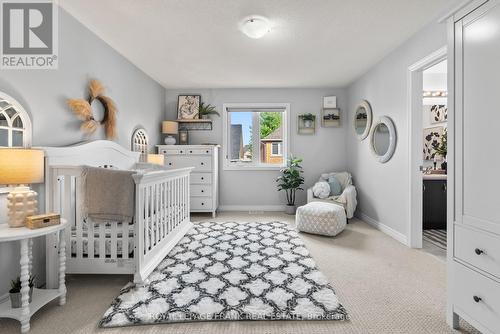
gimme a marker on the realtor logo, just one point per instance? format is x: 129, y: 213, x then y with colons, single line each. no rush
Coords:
x: 29, y: 34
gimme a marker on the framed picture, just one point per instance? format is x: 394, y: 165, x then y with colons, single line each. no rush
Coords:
x: 306, y: 124
x: 188, y: 106
x: 438, y: 113
x: 329, y: 102
x: 432, y: 139
x: 330, y: 117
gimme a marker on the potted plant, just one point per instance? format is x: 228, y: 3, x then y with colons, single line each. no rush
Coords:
x: 15, y: 291
x: 308, y: 120
x: 290, y: 181
x: 442, y: 149
x: 207, y: 109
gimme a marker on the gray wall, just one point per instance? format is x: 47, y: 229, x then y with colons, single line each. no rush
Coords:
x: 43, y: 93
x: 325, y: 151
x: 383, y: 188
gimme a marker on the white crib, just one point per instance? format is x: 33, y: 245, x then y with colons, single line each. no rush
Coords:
x: 161, y: 213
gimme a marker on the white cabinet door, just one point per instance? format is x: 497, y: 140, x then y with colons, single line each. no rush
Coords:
x: 478, y: 118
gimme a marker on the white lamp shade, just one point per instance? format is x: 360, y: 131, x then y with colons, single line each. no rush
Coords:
x: 157, y: 159
x: 21, y: 166
x: 169, y: 127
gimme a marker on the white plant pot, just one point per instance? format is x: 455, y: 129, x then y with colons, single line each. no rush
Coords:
x: 308, y: 123
x: 290, y: 209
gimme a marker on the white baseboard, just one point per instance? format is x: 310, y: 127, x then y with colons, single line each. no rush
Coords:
x: 266, y: 208
x: 383, y: 228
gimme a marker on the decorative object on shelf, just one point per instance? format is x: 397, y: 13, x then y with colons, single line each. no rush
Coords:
x: 435, y: 93
x: 205, y: 110
x: 188, y: 106
x: 383, y: 139
x: 362, y: 119
x: 140, y: 142
x: 156, y: 159
x: 290, y: 181
x: 183, y: 137
x: 330, y: 117
x: 306, y: 124
x: 195, y: 124
x: 438, y: 112
x: 15, y: 291
x: 170, y: 128
x: 432, y: 139
x: 83, y: 109
x: 20, y: 167
x: 15, y: 123
x: 330, y: 102
x: 43, y: 220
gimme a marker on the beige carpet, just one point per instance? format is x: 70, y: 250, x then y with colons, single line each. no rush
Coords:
x: 385, y: 286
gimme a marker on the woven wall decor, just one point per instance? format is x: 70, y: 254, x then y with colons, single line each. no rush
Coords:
x: 83, y: 110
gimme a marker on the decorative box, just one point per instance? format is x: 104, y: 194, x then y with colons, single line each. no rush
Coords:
x: 44, y: 220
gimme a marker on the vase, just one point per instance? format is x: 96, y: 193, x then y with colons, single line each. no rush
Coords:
x: 290, y: 209
x: 444, y: 165
x: 308, y: 123
x: 15, y: 298
x: 204, y: 116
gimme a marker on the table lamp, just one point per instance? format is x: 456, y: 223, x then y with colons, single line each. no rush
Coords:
x: 170, y: 128
x: 20, y: 167
x: 157, y: 159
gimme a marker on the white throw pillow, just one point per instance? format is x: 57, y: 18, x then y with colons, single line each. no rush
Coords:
x: 321, y: 189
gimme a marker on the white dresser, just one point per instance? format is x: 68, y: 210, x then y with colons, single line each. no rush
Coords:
x: 474, y: 198
x: 204, y: 180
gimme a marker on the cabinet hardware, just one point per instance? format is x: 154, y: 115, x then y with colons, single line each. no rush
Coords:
x: 479, y: 251
x: 477, y: 299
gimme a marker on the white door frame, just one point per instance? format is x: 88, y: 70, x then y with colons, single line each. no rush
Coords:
x: 415, y: 125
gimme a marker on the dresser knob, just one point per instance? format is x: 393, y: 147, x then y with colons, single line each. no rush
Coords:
x: 202, y: 178
x: 190, y: 151
x: 478, y: 251
x: 203, y: 191
x: 170, y: 164
x: 202, y: 163
x: 202, y: 203
x: 477, y: 299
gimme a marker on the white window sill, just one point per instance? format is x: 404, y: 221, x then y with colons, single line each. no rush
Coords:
x: 4, y: 190
x: 252, y: 167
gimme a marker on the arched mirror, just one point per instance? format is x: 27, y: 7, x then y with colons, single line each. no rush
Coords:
x: 362, y: 119
x: 140, y: 143
x: 383, y: 139
x: 15, y: 124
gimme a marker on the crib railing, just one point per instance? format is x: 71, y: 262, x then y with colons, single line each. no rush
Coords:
x: 161, y: 218
x: 161, y: 215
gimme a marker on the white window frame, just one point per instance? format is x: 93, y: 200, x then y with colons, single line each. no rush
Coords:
x: 280, y: 153
x: 285, y: 146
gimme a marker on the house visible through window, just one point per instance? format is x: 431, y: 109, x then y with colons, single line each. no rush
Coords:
x: 255, y: 135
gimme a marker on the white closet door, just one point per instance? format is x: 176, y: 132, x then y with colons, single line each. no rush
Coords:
x: 478, y: 118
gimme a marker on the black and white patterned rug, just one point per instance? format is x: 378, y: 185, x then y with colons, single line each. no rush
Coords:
x: 230, y: 271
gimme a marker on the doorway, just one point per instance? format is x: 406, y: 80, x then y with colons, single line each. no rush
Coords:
x: 427, y: 96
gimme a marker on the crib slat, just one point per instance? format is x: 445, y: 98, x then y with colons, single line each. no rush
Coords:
x: 90, y: 239
x: 157, y: 214
x: 102, y: 240
x: 146, y: 218
x: 78, y: 221
x: 114, y: 240
x: 125, y: 240
x: 150, y: 218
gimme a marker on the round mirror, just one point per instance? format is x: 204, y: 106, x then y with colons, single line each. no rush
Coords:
x: 383, y: 139
x: 362, y: 119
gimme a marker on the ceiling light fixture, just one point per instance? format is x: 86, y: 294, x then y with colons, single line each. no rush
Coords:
x: 255, y: 26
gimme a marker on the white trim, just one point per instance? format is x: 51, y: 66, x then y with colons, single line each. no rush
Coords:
x: 383, y: 228
x: 414, y: 128
x: 369, y: 119
x: 393, y: 138
x: 266, y: 208
x: 225, y: 135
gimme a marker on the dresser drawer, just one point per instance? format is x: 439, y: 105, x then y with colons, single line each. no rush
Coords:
x: 201, y: 178
x: 199, y: 151
x: 200, y: 190
x: 172, y: 151
x: 201, y: 203
x: 200, y: 163
x: 480, y: 249
x: 477, y: 296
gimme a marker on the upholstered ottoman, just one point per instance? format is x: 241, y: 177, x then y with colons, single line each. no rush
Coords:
x: 321, y: 218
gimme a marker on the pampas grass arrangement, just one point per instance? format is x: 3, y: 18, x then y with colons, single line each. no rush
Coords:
x: 83, y: 110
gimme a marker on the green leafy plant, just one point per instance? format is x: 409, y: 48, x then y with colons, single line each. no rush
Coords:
x: 291, y: 179
x: 442, y: 148
x: 307, y: 117
x: 207, y: 109
x: 269, y: 121
x: 15, y: 284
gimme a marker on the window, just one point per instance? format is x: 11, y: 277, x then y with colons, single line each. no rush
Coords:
x: 276, y: 149
x: 255, y: 135
x: 15, y: 125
